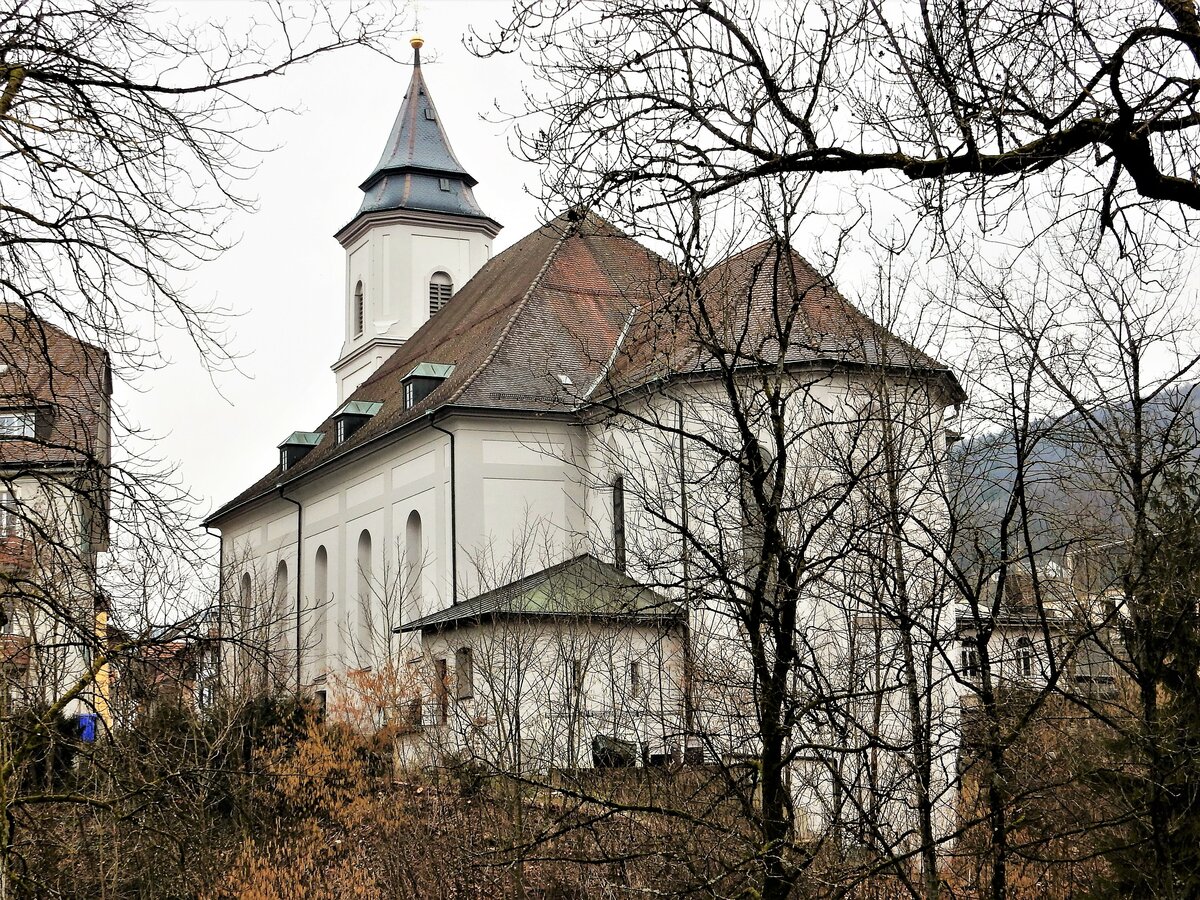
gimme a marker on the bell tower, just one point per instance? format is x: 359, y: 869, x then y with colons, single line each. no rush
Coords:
x: 418, y: 236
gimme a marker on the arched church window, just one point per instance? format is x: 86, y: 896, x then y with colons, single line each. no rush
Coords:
x: 364, y: 590
x: 320, y: 611
x: 247, y: 592
x: 441, y: 286
x: 754, y: 527
x: 360, y: 309
x: 618, y: 523
x: 280, y: 593
x: 414, y: 554
x: 1025, y: 657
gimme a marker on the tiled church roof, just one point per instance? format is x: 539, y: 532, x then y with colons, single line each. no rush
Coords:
x: 578, y: 308
x: 763, y: 306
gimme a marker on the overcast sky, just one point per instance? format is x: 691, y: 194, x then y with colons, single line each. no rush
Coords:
x: 283, y: 280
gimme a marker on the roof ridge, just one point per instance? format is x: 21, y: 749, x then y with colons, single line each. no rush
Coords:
x: 508, y: 326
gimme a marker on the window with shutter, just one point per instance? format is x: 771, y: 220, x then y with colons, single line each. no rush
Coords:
x: 441, y: 286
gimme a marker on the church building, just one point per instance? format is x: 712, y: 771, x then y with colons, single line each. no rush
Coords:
x: 522, y: 462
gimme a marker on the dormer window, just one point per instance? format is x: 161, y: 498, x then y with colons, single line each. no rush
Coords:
x: 441, y: 286
x: 296, y: 446
x: 360, y: 310
x: 18, y: 423
x: 353, y: 415
x: 423, y: 381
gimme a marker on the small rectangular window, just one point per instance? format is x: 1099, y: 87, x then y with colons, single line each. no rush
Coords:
x: 444, y: 184
x: 970, y: 660
x: 429, y: 114
x: 8, y: 514
x: 410, y: 395
x: 635, y: 679
x: 17, y: 424
x: 464, y: 673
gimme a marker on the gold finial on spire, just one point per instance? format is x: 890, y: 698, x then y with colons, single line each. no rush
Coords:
x: 416, y: 41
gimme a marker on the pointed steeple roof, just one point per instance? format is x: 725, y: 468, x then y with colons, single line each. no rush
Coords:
x: 418, y: 169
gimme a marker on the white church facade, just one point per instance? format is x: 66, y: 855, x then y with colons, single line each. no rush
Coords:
x: 525, y: 477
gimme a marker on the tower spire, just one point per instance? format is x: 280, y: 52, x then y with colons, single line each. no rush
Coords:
x: 418, y: 169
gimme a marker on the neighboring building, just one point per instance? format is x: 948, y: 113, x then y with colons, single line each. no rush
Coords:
x: 1038, y: 630
x: 482, y: 487
x: 54, y: 502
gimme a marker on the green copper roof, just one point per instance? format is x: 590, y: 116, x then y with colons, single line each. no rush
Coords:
x: 302, y: 439
x: 358, y: 408
x: 430, y: 370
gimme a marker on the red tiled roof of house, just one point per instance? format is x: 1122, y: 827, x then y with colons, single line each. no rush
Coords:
x: 65, y: 380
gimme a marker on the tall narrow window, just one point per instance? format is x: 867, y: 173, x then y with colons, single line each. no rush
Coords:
x: 360, y: 310
x: 618, y: 522
x: 441, y: 690
x: 365, y: 613
x: 414, y: 555
x: 246, y: 594
x: 441, y: 286
x: 635, y: 679
x: 281, y: 591
x: 8, y: 514
x: 320, y: 611
x: 969, y: 659
x: 1024, y: 657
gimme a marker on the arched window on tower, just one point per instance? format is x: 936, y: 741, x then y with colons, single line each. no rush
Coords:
x: 441, y: 286
x: 365, y: 612
x: 360, y: 310
x: 320, y: 611
x: 414, y: 555
x: 247, y: 594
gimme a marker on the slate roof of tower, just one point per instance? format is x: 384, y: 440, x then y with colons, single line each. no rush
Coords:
x: 577, y: 304
x: 418, y: 169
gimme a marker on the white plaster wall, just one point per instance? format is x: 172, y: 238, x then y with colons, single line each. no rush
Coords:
x: 523, y: 672
x: 394, y: 257
x: 519, y: 509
